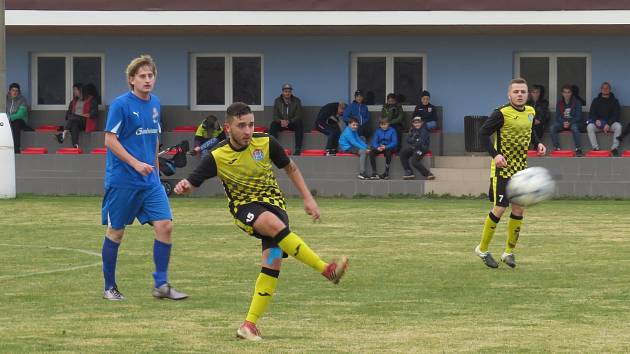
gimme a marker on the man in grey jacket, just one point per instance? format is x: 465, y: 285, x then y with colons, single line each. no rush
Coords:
x: 287, y: 115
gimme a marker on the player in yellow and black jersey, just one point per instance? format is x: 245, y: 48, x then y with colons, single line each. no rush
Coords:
x: 243, y: 162
x: 507, y: 133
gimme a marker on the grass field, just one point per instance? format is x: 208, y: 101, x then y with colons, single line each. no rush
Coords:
x: 414, y: 283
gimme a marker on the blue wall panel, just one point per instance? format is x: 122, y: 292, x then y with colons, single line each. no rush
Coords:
x: 466, y: 75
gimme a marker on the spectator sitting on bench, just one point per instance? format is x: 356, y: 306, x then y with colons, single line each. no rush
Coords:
x: 359, y: 110
x: 83, y: 107
x: 428, y: 118
x: 351, y: 142
x: 17, y: 111
x: 541, y: 106
x: 393, y: 111
x: 568, y: 116
x: 287, y: 115
x: 415, y: 151
x: 604, y: 116
x: 383, y: 142
x: 327, y: 123
x: 209, y: 133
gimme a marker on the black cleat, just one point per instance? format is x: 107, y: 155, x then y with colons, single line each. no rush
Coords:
x: 486, y: 257
x: 508, y: 258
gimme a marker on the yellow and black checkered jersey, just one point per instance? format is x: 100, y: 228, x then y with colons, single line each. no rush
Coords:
x: 511, y: 129
x: 246, y: 174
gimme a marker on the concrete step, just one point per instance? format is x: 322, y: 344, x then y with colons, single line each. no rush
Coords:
x: 463, y: 162
x: 461, y: 175
x: 456, y: 188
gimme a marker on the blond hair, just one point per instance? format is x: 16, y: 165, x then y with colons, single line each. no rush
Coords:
x: 137, y: 63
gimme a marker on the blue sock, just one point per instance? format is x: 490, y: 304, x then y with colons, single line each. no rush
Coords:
x: 110, y: 256
x: 161, y: 256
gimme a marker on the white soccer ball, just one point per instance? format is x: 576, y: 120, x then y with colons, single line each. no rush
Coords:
x: 531, y: 186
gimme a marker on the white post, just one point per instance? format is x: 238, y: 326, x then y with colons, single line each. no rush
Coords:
x: 7, y: 159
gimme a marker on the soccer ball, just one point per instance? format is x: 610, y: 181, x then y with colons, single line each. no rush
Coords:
x: 531, y: 186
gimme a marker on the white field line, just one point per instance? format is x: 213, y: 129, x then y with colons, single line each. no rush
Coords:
x: 67, y: 269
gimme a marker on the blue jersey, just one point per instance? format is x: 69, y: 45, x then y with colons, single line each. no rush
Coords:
x: 136, y: 123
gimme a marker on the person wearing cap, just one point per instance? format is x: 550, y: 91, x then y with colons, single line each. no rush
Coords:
x: 428, y: 117
x: 414, y: 152
x: 359, y: 110
x: 394, y: 113
x: 17, y: 111
x: 287, y: 115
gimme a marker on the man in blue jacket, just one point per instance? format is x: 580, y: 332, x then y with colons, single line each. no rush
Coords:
x: 359, y: 110
x: 383, y: 142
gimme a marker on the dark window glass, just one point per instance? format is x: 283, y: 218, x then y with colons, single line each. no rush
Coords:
x: 371, y: 79
x: 408, y: 79
x: 246, y: 80
x: 536, y: 71
x: 87, y: 70
x: 572, y: 70
x: 211, y: 81
x: 51, y: 80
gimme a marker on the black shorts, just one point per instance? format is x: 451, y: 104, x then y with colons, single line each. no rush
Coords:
x: 498, y: 191
x: 248, y: 214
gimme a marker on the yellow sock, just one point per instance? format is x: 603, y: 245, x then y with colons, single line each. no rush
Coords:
x: 488, y: 231
x: 294, y: 246
x: 514, y: 229
x: 265, y: 286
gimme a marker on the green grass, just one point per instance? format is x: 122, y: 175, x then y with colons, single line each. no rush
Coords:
x: 414, y: 283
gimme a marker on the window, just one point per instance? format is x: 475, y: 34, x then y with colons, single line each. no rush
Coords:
x: 217, y: 80
x: 54, y: 74
x: 377, y: 74
x: 553, y: 70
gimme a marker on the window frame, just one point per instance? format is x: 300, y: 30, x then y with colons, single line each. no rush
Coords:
x: 69, y: 58
x: 229, y: 84
x: 552, y: 88
x: 389, y: 73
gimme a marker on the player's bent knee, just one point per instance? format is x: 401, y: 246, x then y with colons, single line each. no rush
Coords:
x: 163, y: 230
x: 268, y: 224
x: 115, y: 235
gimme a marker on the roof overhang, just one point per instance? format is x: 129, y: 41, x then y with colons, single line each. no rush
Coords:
x: 319, y: 22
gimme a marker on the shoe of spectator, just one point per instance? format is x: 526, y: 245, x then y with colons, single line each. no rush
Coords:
x: 297, y: 152
x: 431, y: 176
x: 76, y: 146
x: 384, y: 176
x: 59, y: 138
x: 557, y: 148
x: 374, y: 176
x: 331, y: 152
x: 615, y: 152
x: 363, y: 176
x: 579, y: 153
x: 409, y: 175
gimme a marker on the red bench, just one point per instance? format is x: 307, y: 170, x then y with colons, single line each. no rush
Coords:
x: 313, y: 153
x: 626, y: 153
x: 185, y: 129
x: 599, y: 153
x: 34, y: 151
x: 99, y: 151
x: 69, y: 151
x: 48, y: 128
x: 259, y: 129
x: 563, y: 153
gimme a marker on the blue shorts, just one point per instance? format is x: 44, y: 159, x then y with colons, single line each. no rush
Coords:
x: 122, y: 205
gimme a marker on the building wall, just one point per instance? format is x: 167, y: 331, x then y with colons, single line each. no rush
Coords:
x: 465, y: 74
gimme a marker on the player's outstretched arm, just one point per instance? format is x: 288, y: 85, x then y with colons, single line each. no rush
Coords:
x: 183, y: 187
x: 112, y: 143
x: 310, y: 205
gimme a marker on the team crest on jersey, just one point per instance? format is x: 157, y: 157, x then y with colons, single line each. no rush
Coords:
x: 155, y: 115
x: 530, y: 117
x: 258, y: 155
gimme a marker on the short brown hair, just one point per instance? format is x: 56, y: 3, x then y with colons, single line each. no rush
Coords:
x: 383, y: 120
x: 137, y: 63
x: 518, y: 80
x: 235, y: 110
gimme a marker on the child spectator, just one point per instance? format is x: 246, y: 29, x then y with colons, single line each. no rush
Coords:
x: 352, y: 143
x: 383, y: 142
x: 428, y: 115
x: 359, y: 110
x: 393, y: 111
x: 209, y: 133
x: 414, y: 151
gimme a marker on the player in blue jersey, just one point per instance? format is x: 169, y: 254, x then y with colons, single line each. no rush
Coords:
x: 132, y: 184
